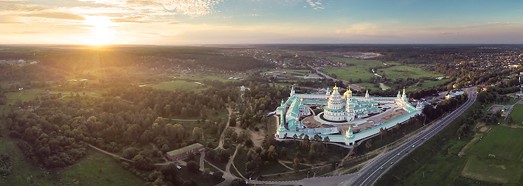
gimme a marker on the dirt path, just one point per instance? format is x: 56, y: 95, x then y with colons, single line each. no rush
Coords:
x: 237, y: 171
x: 227, y: 173
x: 187, y: 120
x: 110, y: 154
x: 342, y: 162
x: 463, y: 151
x: 167, y: 162
x: 231, y: 160
x: 283, y: 164
x: 510, y: 109
x: 222, y: 136
x: 202, y: 158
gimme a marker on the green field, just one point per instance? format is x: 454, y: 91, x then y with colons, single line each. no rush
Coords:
x: 94, y: 169
x: 505, y: 145
x: 360, y: 69
x: 209, y: 77
x: 437, y: 162
x: 98, y: 169
x: 517, y: 113
x: 406, y: 71
x: 23, y: 172
x: 357, y: 69
x: 372, y: 87
x: 504, y: 142
x: 432, y: 83
x: 426, y: 84
x: 23, y: 95
x: 178, y: 85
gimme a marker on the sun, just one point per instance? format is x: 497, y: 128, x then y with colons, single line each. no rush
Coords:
x: 101, y: 30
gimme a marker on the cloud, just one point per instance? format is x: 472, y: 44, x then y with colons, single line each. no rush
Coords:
x: 106, y: 2
x: 19, y: 6
x: 129, y: 19
x: 144, y: 2
x: 361, y: 29
x: 315, y: 4
x: 193, y: 8
x: 155, y: 8
x: 56, y: 15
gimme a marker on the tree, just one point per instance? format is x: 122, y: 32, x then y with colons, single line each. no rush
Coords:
x: 248, y: 143
x: 142, y: 163
x: 197, y: 133
x: 193, y: 167
x: 130, y: 152
x: 232, y: 121
x: 217, y: 176
x: 190, y: 183
x: 296, y: 163
x: 238, y: 182
x: 165, y: 148
x: 510, y: 120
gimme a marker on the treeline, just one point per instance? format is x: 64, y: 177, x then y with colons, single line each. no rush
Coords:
x: 258, y: 101
x: 120, y: 63
x: 80, y: 58
x: 43, y: 142
x: 433, y: 112
x: 387, y: 136
x: 55, y: 134
x: 3, y: 98
x: 185, y: 104
x: 311, y: 150
x: 426, y: 54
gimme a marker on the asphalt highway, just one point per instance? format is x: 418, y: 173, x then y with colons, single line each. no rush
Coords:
x: 373, y: 171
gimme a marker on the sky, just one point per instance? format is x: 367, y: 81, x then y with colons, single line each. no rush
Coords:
x: 197, y: 22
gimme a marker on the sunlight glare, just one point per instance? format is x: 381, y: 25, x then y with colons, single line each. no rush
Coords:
x: 102, y: 32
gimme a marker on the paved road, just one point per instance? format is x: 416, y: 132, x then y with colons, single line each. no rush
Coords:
x: 373, y: 171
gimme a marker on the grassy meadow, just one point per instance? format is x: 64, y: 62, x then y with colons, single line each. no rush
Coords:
x: 361, y: 70
x: 98, y: 169
x: 495, y: 158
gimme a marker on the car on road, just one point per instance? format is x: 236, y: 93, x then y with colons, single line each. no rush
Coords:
x: 413, y: 146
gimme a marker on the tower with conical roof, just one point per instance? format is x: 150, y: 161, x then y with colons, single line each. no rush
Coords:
x: 335, y: 107
x: 350, y: 115
x: 349, y: 134
x: 347, y: 93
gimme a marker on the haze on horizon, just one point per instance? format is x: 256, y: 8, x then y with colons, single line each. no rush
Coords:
x: 187, y: 22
